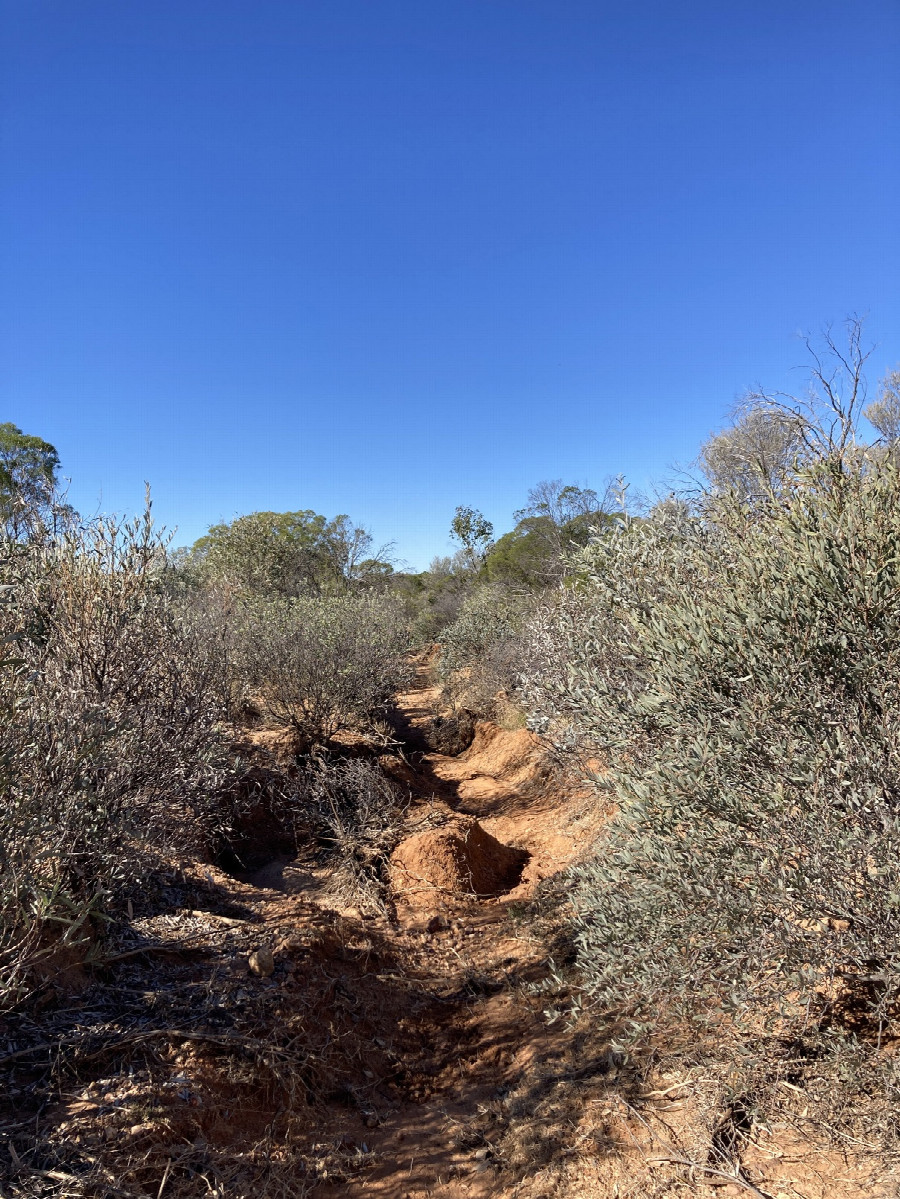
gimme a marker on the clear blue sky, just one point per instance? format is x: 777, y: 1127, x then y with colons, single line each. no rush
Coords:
x: 388, y: 256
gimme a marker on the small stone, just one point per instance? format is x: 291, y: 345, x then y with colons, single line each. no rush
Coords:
x: 437, y: 924
x: 261, y: 962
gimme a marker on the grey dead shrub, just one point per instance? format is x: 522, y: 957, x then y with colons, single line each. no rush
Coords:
x: 322, y: 664
x: 360, y: 813
x: 738, y: 669
x: 109, y: 742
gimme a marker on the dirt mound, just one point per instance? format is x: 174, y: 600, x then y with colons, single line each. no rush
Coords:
x: 496, y: 751
x: 458, y: 858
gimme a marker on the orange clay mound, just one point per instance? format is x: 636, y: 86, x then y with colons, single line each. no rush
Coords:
x: 459, y: 858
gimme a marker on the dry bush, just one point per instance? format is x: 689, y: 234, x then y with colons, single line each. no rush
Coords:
x: 360, y: 814
x: 325, y: 663
x: 347, y: 809
x: 482, y: 652
x: 108, y: 744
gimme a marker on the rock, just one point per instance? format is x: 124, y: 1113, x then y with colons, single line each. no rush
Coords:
x: 437, y: 924
x: 261, y: 962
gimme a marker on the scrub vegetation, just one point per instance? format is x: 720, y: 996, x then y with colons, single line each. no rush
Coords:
x: 715, y: 672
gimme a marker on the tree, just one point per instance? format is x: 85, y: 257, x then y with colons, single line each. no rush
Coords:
x: 349, y: 545
x: 270, y: 553
x: 560, y: 502
x: 884, y: 413
x: 290, y: 553
x: 374, y: 573
x: 28, y: 480
x: 776, y: 434
x: 755, y: 456
x: 474, y: 532
x: 559, y: 515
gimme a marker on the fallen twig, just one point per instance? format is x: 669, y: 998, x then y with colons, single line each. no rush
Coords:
x: 677, y: 1158
x: 736, y: 1178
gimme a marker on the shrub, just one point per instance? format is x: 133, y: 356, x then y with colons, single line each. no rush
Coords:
x: 740, y: 671
x: 360, y: 812
x: 433, y: 597
x: 481, y: 649
x: 109, y: 742
x: 323, y: 664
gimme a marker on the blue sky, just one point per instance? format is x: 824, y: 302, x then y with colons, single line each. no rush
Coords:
x: 385, y: 257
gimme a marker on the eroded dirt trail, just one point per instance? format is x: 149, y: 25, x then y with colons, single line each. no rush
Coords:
x: 369, y: 1055
x: 476, y: 1033
x: 399, y: 1056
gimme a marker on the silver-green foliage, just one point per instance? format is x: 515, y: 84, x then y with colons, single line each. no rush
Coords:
x: 320, y: 664
x: 740, y: 674
x: 481, y: 649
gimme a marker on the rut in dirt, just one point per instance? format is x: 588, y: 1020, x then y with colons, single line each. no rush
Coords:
x: 379, y: 1054
x: 475, y: 1023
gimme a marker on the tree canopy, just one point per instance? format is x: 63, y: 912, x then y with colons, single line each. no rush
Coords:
x: 473, y: 531
x: 28, y: 479
x: 557, y: 517
x: 289, y: 553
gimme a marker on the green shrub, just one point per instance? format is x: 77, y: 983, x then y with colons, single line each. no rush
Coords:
x: 739, y: 671
x: 320, y: 664
x: 481, y: 649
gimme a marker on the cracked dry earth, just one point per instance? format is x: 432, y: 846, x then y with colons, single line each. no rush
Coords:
x: 395, y: 1057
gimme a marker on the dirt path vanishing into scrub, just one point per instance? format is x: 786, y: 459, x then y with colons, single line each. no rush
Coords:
x: 424, y: 1052
x: 479, y: 1027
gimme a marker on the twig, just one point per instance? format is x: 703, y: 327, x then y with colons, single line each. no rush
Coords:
x: 172, y: 947
x: 736, y: 1178
x: 678, y: 1159
x: 164, y: 1179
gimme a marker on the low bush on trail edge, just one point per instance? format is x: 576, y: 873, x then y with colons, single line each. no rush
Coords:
x: 360, y: 813
x: 322, y: 664
x: 109, y: 741
x: 739, y: 668
x: 115, y: 748
x: 481, y: 651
